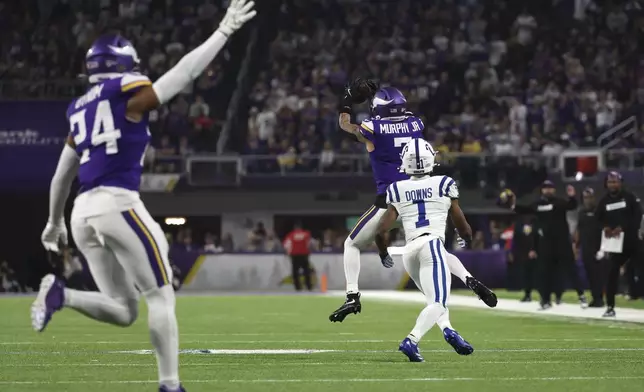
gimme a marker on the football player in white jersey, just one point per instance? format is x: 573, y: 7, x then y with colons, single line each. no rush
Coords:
x: 424, y: 203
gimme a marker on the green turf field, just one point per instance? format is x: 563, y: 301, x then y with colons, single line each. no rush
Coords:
x: 514, y: 352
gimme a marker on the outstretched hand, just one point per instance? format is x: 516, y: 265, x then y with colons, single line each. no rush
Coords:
x: 238, y: 13
x: 360, y: 90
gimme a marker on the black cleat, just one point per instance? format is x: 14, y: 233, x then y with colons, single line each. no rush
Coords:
x: 351, y: 305
x: 583, y: 302
x: 526, y: 298
x: 486, y: 295
x: 610, y: 312
x: 558, y: 300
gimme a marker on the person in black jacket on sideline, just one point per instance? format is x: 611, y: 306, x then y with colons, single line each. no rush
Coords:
x: 587, y: 241
x: 554, y: 245
x: 619, y: 213
x: 524, y: 254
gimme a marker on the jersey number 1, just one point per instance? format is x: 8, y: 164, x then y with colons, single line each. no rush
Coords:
x: 422, y: 214
x: 103, y: 131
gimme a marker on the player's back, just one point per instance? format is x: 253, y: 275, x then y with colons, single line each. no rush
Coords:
x: 111, y: 147
x: 423, y: 204
x: 389, y: 136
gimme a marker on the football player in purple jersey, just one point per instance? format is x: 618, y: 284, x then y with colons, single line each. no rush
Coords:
x: 384, y: 135
x: 125, y: 248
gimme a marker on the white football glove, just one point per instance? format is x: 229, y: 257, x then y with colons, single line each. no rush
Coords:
x: 53, y: 235
x: 461, y: 242
x: 238, y: 13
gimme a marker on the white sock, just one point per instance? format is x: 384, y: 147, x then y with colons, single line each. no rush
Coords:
x: 426, y: 320
x: 164, y: 334
x: 101, y: 307
x: 457, y: 268
x: 351, y: 265
x: 413, y: 338
x: 443, y: 321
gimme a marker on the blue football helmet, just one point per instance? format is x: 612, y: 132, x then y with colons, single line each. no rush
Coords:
x: 109, y: 57
x: 388, y: 102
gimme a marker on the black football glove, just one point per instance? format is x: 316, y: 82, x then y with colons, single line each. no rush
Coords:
x: 357, y: 92
x: 363, y: 89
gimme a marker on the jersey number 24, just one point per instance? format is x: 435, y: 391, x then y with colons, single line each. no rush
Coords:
x: 103, y: 130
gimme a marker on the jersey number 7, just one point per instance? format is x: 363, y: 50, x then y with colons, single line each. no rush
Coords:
x: 103, y: 131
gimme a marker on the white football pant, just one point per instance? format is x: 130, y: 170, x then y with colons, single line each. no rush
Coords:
x: 425, y: 261
x: 127, y: 253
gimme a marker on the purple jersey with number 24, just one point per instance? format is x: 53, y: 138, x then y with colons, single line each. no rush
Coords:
x: 110, y: 146
x: 389, y: 136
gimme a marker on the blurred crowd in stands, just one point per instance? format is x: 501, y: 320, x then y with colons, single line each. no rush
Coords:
x: 497, y: 76
x: 43, y: 55
x: 490, y: 233
x: 506, y: 77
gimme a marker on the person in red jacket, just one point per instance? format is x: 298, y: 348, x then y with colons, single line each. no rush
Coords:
x: 297, y: 244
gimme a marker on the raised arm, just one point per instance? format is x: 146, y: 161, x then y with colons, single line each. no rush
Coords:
x: 571, y: 202
x: 356, y: 92
x: 344, y: 120
x: 192, y: 64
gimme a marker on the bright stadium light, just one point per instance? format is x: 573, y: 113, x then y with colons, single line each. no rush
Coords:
x: 175, y: 221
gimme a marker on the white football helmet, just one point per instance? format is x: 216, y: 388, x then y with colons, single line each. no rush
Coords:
x: 418, y: 157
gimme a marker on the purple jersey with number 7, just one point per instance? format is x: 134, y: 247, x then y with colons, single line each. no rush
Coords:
x: 111, y: 147
x: 389, y: 136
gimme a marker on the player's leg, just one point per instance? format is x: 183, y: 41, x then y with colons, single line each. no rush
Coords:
x: 616, y: 260
x: 547, y: 267
x: 306, y: 267
x: 116, y: 302
x: 361, y: 236
x: 485, y: 294
x: 452, y: 337
x: 295, y: 272
x: 444, y: 320
x: 413, y: 270
x: 141, y: 247
x: 432, y: 274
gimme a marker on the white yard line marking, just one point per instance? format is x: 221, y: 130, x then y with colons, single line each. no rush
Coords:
x: 330, y: 380
x: 315, y: 351
x: 209, y: 341
x: 233, y: 352
x: 107, y: 333
x: 506, y: 305
x: 212, y: 341
x: 299, y: 363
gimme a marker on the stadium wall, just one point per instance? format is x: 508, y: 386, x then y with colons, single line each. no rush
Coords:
x: 272, y: 272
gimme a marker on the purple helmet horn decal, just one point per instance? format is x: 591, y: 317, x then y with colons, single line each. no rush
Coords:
x: 388, y: 102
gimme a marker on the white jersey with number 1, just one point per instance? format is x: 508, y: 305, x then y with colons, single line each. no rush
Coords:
x: 423, y: 204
